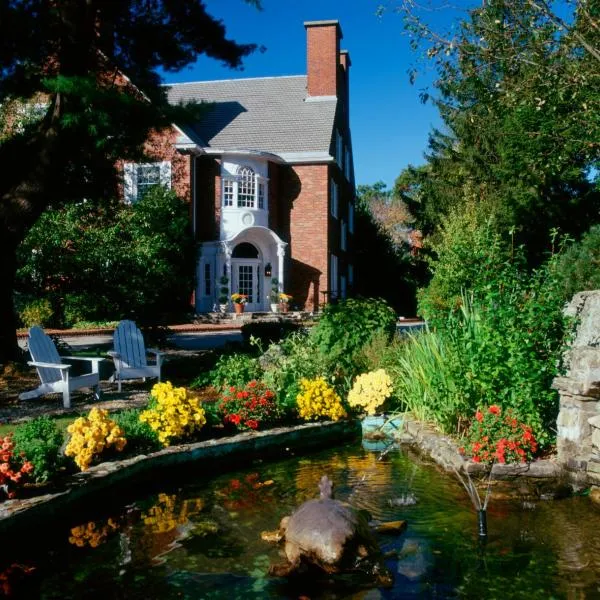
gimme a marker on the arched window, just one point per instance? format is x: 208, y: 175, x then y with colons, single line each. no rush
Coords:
x: 244, y: 250
x: 246, y: 187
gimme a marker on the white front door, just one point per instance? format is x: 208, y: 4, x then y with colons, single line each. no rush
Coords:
x: 247, y: 280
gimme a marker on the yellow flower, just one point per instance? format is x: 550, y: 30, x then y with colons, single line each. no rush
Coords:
x: 370, y: 391
x: 318, y: 399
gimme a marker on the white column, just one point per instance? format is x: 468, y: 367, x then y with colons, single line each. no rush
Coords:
x: 280, y: 256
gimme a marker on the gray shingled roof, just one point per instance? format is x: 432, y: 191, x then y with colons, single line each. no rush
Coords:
x: 267, y: 114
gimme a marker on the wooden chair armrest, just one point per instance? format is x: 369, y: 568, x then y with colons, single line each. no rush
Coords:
x: 113, y: 354
x: 46, y: 365
x: 154, y: 351
x: 90, y: 358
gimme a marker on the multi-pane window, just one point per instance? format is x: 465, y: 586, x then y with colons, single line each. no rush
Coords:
x: 246, y: 282
x: 246, y: 187
x: 334, y: 198
x: 347, y: 163
x: 140, y: 178
x: 339, y: 145
x: 351, y: 217
x: 228, y: 192
x: 343, y: 235
x: 245, y: 190
x: 261, y: 195
x: 333, y: 277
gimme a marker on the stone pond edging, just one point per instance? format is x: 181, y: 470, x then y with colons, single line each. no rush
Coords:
x: 444, y: 451
x: 31, y: 512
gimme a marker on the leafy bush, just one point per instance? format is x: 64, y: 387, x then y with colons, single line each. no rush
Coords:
x: 494, y: 437
x: 231, y: 369
x: 268, y: 332
x: 40, y: 441
x: 317, y: 399
x: 143, y: 253
x: 347, y: 326
x: 37, y: 312
x: 141, y: 438
x: 172, y: 413
x: 577, y: 268
x: 248, y: 407
x: 91, y: 436
x: 285, y: 364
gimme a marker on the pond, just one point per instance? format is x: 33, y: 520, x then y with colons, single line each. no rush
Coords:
x: 202, y: 539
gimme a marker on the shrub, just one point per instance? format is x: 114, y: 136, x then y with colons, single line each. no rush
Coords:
x: 296, y: 358
x: 12, y: 469
x: 91, y: 436
x: 248, y: 407
x: 172, y: 413
x: 370, y: 391
x: 231, y: 369
x: 268, y: 332
x: 494, y: 437
x: 141, y: 438
x: 317, y: 399
x: 37, y: 312
x: 344, y: 328
x: 40, y: 441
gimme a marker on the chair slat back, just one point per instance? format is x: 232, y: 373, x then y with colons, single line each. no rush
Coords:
x: 42, y: 349
x: 129, y: 343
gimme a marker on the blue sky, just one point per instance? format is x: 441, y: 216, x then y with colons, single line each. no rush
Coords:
x: 389, y: 124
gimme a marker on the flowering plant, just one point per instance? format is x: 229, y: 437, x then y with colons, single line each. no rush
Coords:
x: 370, y: 391
x: 249, y: 406
x: 497, y: 437
x: 172, y: 413
x: 91, y: 435
x: 11, y: 468
x: 285, y: 298
x: 239, y: 298
x: 318, y: 399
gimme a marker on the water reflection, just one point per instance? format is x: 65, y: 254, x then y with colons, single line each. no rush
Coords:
x: 203, y: 541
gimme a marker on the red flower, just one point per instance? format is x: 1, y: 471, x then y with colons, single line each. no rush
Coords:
x: 494, y: 409
x: 252, y: 423
x: 479, y: 416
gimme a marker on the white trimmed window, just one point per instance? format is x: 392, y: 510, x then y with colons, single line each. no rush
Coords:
x: 343, y: 235
x: 351, y: 217
x: 246, y: 189
x: 333, y: 277
x: 138, y: 178
x: 207, y: 280
x: 334, y: 198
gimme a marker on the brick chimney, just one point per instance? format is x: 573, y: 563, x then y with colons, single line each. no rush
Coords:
x: 322, y: 57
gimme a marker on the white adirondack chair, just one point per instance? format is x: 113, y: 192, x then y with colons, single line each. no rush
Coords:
x: 129, y: 355
x: 53, y: 373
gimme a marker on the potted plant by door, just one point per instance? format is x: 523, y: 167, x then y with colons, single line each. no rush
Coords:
x: 284, y: 302
x: 274, y: 295
x: 223, y: 294
x: 239, y: 302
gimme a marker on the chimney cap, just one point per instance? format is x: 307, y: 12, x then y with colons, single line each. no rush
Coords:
x: 326, y: 23
x: 346, y: 54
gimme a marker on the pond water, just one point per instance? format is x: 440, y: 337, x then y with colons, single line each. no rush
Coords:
x: 202, y: 540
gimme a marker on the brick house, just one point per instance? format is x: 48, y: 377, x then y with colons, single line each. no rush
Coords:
x: 268, y: 173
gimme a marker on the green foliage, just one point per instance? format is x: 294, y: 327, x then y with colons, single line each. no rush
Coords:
x: 141, y: 438
x: 143, y: 254
x: 268, y: 332
x: 285, y: 364
x: 223, y: 290
x: 40, y: 441
x: 577, y: 267
x: 37, y: 312
x: 231, y: 369
x: 345, y: 327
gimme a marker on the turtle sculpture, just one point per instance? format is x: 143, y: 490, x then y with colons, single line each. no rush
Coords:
x: 332, y: 536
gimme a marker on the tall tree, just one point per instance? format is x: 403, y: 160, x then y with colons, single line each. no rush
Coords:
x: 89, y: 69
x: 517, y: 90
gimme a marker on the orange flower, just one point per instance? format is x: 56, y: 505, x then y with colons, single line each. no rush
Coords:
x: 494, y: 409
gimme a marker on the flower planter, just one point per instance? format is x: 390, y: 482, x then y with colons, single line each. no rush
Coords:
x: 274, y: 307
x: 378, y: 427
x: 223, y: 308
x: 284, y: 307
x: 239, y: 308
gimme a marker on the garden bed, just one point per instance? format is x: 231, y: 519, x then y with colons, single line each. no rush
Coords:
x: 28, y: 513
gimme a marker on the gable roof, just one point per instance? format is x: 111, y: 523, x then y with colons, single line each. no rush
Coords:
x: 267, y: 114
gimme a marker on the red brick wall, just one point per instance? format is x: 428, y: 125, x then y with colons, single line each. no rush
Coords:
x: 322, y: 52
x: 307, y: 195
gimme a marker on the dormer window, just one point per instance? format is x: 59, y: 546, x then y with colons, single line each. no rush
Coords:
x: 246, y: 189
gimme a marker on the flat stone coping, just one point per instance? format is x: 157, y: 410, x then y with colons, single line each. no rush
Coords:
x: 219, y: 453
x: 443, y: 450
